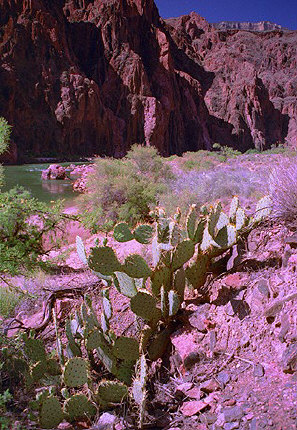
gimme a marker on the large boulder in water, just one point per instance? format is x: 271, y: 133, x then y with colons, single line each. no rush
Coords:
x: 54, y: 171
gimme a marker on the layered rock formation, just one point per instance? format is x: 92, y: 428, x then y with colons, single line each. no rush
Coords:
x: 85, y: 77
x: 250, y: 26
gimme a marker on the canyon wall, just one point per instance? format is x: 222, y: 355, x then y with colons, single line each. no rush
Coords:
x: 86, y: 77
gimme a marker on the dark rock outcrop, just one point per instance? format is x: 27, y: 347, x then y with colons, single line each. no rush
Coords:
x: 86, y: 77
x: 94, y: 77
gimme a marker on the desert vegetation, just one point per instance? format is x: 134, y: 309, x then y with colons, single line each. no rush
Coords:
x: 182, y: 227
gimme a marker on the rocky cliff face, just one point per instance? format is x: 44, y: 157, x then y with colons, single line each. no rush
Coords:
x: 255, y: 85
x: 94, y: 77
x: 85, y: 77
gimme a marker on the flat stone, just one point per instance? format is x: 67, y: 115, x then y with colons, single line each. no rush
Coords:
x: 234, y: 280
x: 210, y: 386
x: 194, y: 393
x: 183, y: 388
x: 231, y: 426
x: 263, y: 287
x: 192, y: 408
x: 233, y: 414
x: 223, y: 378
x: 198, y: 321
x: 258, y: 370
x: 106, y: 422
x: 229, y: 402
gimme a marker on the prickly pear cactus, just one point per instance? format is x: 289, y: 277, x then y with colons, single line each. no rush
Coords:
x: 79, y: 406
x: 51, y: 413
x: 126, y: 348
x: 111, y: 392
x: 75, y: 372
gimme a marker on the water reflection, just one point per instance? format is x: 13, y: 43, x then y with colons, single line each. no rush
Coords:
x: 56, y: 187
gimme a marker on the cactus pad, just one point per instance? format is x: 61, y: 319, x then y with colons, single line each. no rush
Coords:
x: 196, y: 274
x: 136, y: 267
x: 110, y: 392
x: 34, y: 349
x: 104, y: 260
x: 38, y: 370
x: 159, y: 344
x: 263, y: 209
x: 75, y: 372
x: 80, y: 249
x: 179, y: 283
x: 122, y: 233
x: 159, y: 277
x: 214, y: 218
x: 126, y: 284
x: 226, y: 237
x: 79, y: 406
x: 126, y: 348
x: 144, y: 305
x: 233, y: 208
x: 241, y: 219
x: 94, y: 340
x: 182, y: 253
x: 143, y: 234
x: 51, y: 413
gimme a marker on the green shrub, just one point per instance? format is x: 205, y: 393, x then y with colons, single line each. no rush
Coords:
x: 125, y: 190
x: 5, y: 131
x: 24, y: 224
x: 9, y: 299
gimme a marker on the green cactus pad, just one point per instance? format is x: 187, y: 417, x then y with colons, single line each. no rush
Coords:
x: 182, y: 254
x: 110, y: 392
x: 126, y: 348
x: 79, y: 406
x: 144, y: 305
x: 136, y: 267
x: 233, y: 208
x: 122, y: 233
x: 176, y: 233
x: 75, y: 372
x: 173, y: 303
x: 94, y: 340
x: 146, y: 334
x: 198, y: 236
x: 38, y: 370
x: 159, y: 344
x: 226, y: 237
x: 80, y: 249
x: 179, y: 283
x: 124, y: 373
x: 196, y: 273
x: 143, y: 234
x: 241, y: 219
x: 213, y: 218
x: 126, y: 284
x: 160, y: 276
x: 263, y: 209
x: 191, y: 221
x: 51, y: 413
x: 103, y: 260
x: 72, y: 345
x: 34, y: 349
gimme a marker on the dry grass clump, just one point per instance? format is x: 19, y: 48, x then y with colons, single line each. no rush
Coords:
x: 283, y: 191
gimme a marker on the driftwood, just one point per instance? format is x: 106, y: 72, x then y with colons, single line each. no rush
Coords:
x: 48, y: 306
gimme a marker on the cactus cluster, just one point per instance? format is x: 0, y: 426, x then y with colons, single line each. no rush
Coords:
x: 181, y: 256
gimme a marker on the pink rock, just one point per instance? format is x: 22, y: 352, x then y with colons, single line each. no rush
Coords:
x: 194, y: 393
x: 54, y: 171
x: 183, y: 388
x: 193, y: 407
x: 185, y: 342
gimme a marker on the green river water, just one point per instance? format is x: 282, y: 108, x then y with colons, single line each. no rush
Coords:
x: 29, y: 177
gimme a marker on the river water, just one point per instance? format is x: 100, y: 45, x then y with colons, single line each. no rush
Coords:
x: 29, y: 177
